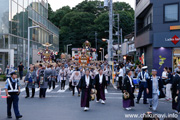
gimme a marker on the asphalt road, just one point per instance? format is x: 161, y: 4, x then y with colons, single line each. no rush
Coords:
x: 61, y: 105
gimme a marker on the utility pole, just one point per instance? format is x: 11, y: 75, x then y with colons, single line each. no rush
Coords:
x: 110, y: 30
x: 121, y: 45
x: 118, y: 38
x: 96, y: 42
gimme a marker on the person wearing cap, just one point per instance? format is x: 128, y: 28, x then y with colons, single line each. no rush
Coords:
x: 128, y: 87
x: 30, y: 81
x: 154, y: 90
x: 100, y: 84
x: 143, y: 76
x: 12, y: 88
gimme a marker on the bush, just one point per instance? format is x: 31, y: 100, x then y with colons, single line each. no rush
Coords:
x: 2, y: 77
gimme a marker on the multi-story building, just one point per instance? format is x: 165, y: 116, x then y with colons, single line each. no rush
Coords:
x: 128, y: 48
x: 15, y: 18
x: 157, y: 32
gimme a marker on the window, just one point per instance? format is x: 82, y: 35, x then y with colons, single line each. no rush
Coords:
x: 171, y: 13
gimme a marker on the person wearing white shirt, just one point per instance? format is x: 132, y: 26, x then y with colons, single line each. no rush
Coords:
x: 121, y: 74
x: 100, y: 84
x: 128, y: 86
x: 85, y: 85
x: 164, y: 75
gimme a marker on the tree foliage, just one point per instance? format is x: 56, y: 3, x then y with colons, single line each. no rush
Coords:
x: 80, y: 23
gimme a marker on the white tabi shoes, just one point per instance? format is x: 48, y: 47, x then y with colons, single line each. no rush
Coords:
x: 102, y: 101
x: 128, y: 109
x: 86, y: 109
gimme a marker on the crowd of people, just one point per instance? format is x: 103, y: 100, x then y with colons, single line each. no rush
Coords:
x: 95, y: 78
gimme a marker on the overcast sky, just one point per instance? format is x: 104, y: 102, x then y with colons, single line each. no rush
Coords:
x: 56, y: 4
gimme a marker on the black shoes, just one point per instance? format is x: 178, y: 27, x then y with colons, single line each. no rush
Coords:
x: 9, y: 116
x: 145, y: 103
x: 17, y: 117
x: 26, y: 96
x: 137, y: 102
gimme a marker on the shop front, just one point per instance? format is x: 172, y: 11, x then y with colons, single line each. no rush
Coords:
x: 166, y: 50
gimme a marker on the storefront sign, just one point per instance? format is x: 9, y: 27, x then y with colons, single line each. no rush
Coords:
x: 177, y: 27
x: 132, y: 48
x: 166, y: 39
x: 174, y: 40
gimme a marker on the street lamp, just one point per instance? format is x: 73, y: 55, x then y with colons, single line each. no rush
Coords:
x: 103, y: 52
x: 101, y: 55
x: 104, y: 40
x: 29, y: 28
x: 67, y: 48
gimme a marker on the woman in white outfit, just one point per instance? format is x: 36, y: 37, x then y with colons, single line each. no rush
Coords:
x: 74, y: 79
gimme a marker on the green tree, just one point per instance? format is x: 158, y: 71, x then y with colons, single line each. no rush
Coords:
x: 75, y: 27
x: 79, y: 23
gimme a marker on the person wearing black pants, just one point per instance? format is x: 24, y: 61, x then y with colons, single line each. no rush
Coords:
x: 121, y: 73
x: 63, y: 74
x: 53, y: 78
x: 63, y: 83
x: 30, y: 81
x: 44, y: 81
x: 42, y: 92
x: 27, y: 92
x: 20, y: 69
x: 52, y: 83
x: 74, y: 79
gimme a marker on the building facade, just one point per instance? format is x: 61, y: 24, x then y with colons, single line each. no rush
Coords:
x: 157, y: 32
x: 128, y: 48
x: 15, y: 18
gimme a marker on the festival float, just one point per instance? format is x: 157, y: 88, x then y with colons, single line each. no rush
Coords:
x: 47, y: 55
x: 84, y: 55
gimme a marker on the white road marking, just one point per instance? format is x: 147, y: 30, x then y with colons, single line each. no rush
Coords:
x: 49, y: 90
x: 23, y: 89
x: 37, y: 89
x: 66, y: 87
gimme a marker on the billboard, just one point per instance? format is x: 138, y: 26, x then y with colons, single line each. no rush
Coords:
x: 162, y: 57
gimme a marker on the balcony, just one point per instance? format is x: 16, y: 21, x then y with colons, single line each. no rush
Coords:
x: 147, y: 28
x: 142, y: 6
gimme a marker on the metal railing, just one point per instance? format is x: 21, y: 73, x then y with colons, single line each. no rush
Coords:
x: 146, y: 28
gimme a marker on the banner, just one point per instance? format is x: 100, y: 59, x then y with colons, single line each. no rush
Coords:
x: 162, y: 57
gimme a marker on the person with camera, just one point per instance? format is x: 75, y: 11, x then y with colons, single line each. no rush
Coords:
x: 128, y: 91
x: 12, y: 88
